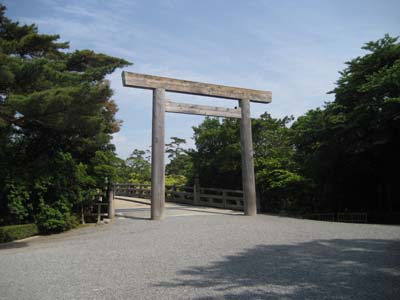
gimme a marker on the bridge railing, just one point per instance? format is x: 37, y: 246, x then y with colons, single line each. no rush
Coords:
x: 358, y: 217
x: 321, y: 217
x: 349, y: 217
x: 201, y: 196
x: 132, y: 190
x: 223, y: 198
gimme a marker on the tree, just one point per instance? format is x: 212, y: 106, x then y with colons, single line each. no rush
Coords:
x: 180, y: 164
x: 56, y: 121
x: 217, y: 160
x: 350, y: 148
x: 139, y: 167
x: 280, y: 185
x: 174, y: 148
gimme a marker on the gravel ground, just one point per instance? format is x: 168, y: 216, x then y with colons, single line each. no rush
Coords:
x: 206, y: 254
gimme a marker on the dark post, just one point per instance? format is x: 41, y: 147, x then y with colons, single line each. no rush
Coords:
x: 157, y: 156
x: 110, y: 196
x: 196, y: 190
x: 99, y: 209
x: 248, y: 178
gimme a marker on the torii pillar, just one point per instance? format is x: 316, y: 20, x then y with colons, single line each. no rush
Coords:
x: 159, y: 86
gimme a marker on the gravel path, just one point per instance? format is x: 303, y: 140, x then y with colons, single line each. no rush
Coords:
x: 206, y: 254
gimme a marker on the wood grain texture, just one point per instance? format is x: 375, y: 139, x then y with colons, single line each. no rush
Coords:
x: 157, y: 156
x: 145, y: 81
x: 248, y: 178
x: 204, y: 110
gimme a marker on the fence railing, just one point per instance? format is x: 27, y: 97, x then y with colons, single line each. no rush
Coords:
x: 132, y: 190
x: 360, y: 217
x: 213, y: 197
x: 321, y: 217
x: 349, y: 217
x: 220, y: 198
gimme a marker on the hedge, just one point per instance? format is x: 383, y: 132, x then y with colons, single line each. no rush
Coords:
x: 17, y: 232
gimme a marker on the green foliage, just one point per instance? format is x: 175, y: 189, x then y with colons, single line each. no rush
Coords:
x: 56, y: 121
x: 139, y: 167
x: 17, y: 232
x: 174, y: 148
x: 18, y: 202
x: 349, y: 149
x: 279, y: 184
x: 175, y: 180
x: 283, y: 190
x: 217, y: 159
x: 104, y: 166
x: 55, y: 218
x: 180, y: 162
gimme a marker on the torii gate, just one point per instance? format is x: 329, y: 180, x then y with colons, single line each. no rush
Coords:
x: 160, y: 85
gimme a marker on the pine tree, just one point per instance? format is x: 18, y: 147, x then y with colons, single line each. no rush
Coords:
x: 56, y: 121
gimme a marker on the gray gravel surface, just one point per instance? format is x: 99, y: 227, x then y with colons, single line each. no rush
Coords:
x: 206, y: 256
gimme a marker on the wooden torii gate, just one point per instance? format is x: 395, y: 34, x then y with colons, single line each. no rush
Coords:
x: 160, y: 85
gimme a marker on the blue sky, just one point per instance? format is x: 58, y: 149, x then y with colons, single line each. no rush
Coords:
x: 293, y: 48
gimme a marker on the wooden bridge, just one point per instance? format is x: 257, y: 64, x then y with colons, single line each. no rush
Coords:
x: 199, y: 196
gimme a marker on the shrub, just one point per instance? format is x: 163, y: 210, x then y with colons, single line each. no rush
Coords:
x: 55, y: 219
x: 17, y: 232
x: 18, y: 202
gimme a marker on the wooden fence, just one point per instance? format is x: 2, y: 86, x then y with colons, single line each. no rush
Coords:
x: 360, y: 217
x: 348, y: 217
x: 321, y: 217
x: 220, y: 198
x: 212, y: 197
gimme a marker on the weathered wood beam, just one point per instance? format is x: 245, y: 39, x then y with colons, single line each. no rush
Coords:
x: 248, y: 178
x: 194, y: 88
x: 157, y: 156
x: 205, y: 110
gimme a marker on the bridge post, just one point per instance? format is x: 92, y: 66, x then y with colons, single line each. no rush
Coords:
x: 248, y: 178
x: 157, y: 155
x: 110, y: 196
x: 196, y: 191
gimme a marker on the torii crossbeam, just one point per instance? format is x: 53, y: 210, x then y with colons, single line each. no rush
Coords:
x: 160, y: 85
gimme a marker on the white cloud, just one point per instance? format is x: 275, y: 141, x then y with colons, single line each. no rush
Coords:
x: 294, y: 50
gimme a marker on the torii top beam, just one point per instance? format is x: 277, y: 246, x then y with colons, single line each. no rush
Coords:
x: 144, y: 81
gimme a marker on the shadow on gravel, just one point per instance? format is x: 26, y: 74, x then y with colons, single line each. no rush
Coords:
x: 321, y: 269
x: 134, y: 218
x: 206, y: 211
x: 13, y: 245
